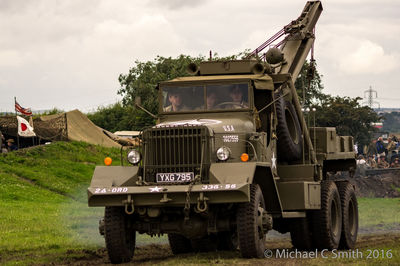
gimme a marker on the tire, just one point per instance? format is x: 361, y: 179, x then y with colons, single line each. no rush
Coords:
x: 250, y: 234
x: 290, y: 141
x: 327, y: 222
x: 179, y: 244
x: 349, y: 206
x: 119, y: 235
x: 301, y: 234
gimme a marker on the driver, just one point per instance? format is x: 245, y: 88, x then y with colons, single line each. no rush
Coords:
x: 175, y: 98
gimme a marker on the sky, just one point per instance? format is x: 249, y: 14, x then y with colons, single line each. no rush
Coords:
x: 69, y: 54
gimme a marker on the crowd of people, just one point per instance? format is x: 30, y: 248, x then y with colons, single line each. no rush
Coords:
x: 380, y: 154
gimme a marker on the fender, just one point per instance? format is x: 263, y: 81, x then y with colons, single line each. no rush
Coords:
x: 253, y: 173
x: 114, y: 176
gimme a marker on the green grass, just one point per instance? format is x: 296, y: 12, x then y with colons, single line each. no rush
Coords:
x: 45, y: 218
x: 43, y: 199
x: 379, y: 213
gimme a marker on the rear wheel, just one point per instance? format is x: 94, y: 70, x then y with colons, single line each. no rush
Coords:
x: 250, y: 230
x: 179, y: 244
x: 349, y: 215
x: 119, y: 235
x: 327, y: 222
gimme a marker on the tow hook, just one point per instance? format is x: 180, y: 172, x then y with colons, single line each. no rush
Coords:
x: 201, y: 203
x: 129, y: 206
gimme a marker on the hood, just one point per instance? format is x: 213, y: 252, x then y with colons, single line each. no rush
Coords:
x: 224, y: 125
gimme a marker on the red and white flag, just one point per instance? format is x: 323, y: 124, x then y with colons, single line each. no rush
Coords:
x: 24, y: 111
x: 24, y: 129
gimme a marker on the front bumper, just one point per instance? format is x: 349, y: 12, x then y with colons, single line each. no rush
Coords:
x: 168, y: 195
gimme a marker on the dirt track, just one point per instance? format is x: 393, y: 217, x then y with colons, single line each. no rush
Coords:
x: 155, y: 253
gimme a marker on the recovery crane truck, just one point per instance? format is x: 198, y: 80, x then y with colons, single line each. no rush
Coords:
x: 231, y: 158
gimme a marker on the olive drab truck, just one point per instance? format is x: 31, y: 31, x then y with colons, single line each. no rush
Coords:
x: 230, y: 158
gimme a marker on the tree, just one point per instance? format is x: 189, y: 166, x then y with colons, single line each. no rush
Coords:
x: 309, y: 85
x: 348, y: 116
x: 117, y: 117
x: 392, y: 122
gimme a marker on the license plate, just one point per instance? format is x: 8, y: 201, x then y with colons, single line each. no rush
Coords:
x: 174, y: 177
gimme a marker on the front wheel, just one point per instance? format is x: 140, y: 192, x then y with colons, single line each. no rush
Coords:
x: 119, y: 235
x: 249, y: 220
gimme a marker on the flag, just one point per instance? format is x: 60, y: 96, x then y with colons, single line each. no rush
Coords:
x: 24, y: 111
x: 24, y: 129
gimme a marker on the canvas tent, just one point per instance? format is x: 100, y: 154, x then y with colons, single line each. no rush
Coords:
x: 71, y: 125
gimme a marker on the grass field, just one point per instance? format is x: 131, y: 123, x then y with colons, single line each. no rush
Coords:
x: 45, y: 218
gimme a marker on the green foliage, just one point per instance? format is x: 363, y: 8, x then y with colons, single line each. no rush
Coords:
x: 348, y: 116
x: 392, y: 122
x: 117, y: 117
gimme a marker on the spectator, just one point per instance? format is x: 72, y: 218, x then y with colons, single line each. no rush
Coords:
x: 371, y: 150
x: 11, y: 146
x: 395, y: 163
x: 1, y: 141
x: 380, y: 147
x: 391, y: 147
x: 361, y: 160
x: 382, y: 163
x: 371, y: 161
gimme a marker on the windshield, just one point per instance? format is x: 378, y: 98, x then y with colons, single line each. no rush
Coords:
x: 207, y: 97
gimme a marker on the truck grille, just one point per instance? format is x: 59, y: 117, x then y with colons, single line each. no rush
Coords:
x: 176, y: 149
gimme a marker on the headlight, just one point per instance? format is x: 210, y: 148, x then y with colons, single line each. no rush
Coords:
x: 134, y: 157
x: 223, y: 153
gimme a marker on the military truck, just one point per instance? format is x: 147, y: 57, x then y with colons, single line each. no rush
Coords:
x: 230, y: 158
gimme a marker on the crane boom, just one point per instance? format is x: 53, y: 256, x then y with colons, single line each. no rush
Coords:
x: 300, y: 39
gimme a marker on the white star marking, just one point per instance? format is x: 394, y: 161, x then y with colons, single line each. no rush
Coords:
x: 273, y: 161
x: 155, y: 189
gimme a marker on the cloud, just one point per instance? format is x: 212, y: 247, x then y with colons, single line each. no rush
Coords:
x: 178, y: 4
x: 10, y: 58
x: 368, y: 58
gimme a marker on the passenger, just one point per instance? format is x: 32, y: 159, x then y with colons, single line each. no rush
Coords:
x: 382, y: 163
x: 211, y: 100
x: 236, y: 94
x: 11, y: 146
x: 175, y: 98
x: 371, y: 162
